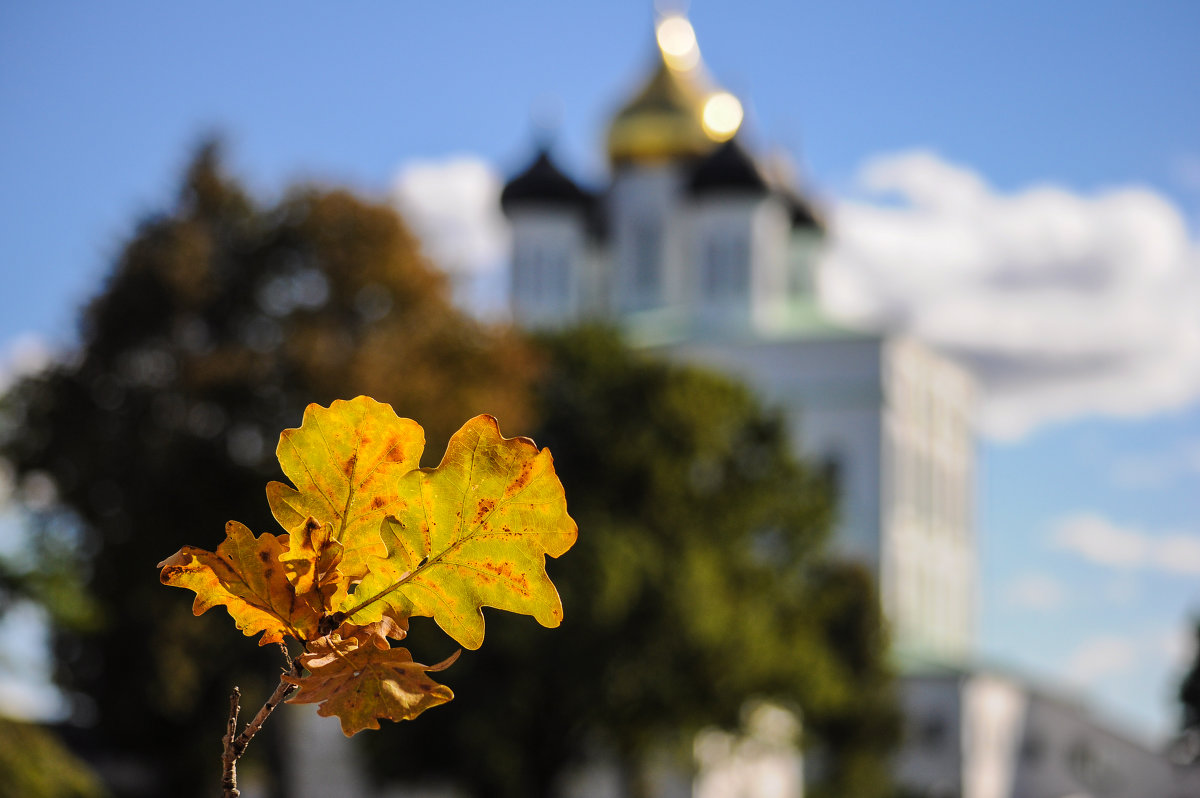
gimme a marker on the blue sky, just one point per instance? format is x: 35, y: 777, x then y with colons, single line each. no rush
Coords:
x: 1087, y: 109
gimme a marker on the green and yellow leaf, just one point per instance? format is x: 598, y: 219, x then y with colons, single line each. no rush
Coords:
x: 245, y: 575
x: 345, y: 462
x: 473, y: 532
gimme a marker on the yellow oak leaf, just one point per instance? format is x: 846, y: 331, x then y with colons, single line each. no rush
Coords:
x: 311, y: 561
x: 473, y: 532
x: 360, y: 679
x: 245, y: 575
x: 345, y: 462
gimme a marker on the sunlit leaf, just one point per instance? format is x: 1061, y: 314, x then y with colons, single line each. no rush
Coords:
x: 472, y: 532
x: 311, y: 561
x: 245, y: 575
x: 345, y: 461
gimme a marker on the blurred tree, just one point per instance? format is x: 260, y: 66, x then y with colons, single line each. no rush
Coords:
x: 1189, y: 699
x: 36, y: 765
x: 221, y: 320
x: 697, y: 584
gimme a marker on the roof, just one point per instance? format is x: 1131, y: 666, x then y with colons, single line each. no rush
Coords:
x: 543, y: 183
x: 728, y: 168
x: 801, y: 211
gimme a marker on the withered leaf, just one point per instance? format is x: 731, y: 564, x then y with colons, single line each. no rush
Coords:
x: 245, y: 575
x: 361, y: 680
x: 472, y: 532
x: 345, y: 462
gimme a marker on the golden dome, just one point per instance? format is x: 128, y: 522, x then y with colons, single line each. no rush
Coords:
x: 667, y: 118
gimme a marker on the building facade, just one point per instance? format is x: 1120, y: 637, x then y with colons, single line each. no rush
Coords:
x: 982, y: 734
x: 700, y: 251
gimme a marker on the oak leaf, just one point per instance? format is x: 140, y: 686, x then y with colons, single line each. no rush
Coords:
x: 245, y: 575
x: 355, y: 675
x: 345, y: 462
x: 472, y: 532
x: 310, y: 561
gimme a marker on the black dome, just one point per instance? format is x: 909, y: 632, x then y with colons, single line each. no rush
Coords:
x: 727, y: 169
x: 543, y: 183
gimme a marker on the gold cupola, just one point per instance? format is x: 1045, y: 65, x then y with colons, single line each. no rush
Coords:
x: 676, y: 114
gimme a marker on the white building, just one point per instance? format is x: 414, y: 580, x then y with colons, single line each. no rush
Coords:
x: 979, y: 734
x: 696, y: 250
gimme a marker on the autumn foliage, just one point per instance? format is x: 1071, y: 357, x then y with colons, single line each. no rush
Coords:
x: 371, y: 539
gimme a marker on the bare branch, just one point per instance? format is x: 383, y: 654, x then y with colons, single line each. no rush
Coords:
x: 228, y: 757
x: 235, y: 744
x: 282, y: 691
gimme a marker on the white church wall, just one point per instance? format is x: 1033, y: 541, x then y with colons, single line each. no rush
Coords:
x: 770, y: 303
x: 831, y: 392
x: 929, y: 569
x: 549, y: 272
x: 719, y: 251
x: 647, y: 238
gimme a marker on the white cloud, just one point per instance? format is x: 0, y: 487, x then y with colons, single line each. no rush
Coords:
x: 1063, y: 304
x: 1100, y: 657
x: 1102, y: 542
x: 453, y: 205
x: 1035, y: 591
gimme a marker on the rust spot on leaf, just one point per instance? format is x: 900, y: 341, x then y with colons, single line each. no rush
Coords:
x: 348, y: 468
x: 377, y: 502
x: 265, y: 556
x: 482, y: 509
x: 522, y: 479
x: 512, y: 576
x: 170, y: 572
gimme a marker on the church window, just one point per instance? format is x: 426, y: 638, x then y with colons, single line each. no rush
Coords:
x: 647, y: 257
x: 726, y: 267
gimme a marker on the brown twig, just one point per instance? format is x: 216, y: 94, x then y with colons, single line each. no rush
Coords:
x: 236, y: 746
x: 228, y: 758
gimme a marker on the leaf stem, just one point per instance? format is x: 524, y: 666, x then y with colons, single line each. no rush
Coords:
x: 350, y: 613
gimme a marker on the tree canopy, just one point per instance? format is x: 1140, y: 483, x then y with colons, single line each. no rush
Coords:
x: 699, y: 580
x: 222, y: 318
x: 698, y: 583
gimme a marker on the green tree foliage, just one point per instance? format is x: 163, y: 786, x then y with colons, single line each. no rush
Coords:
x: 698, y: 582
x: 222, y: 318
x: 35, y: 764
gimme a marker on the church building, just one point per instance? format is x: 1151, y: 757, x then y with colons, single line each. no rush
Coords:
x: 700, y: 251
